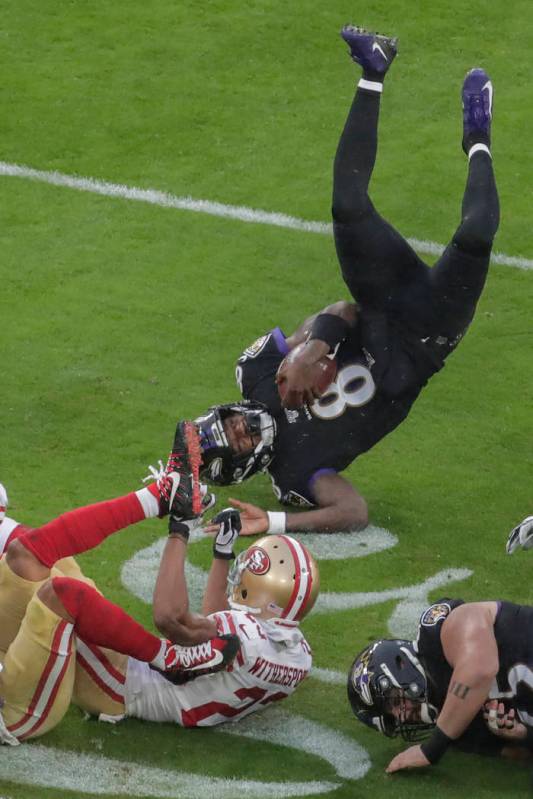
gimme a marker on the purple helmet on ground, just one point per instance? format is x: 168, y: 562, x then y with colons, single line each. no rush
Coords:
x: 386, y: 674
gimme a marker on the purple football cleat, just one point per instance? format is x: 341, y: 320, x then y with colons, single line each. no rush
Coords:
x: 477, y: 108
x: 375, y: 53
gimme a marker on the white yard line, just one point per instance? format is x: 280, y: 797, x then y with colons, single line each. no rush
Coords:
x: 241, y: 213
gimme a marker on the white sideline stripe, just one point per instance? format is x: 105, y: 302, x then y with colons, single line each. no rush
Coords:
x: 241, y: 213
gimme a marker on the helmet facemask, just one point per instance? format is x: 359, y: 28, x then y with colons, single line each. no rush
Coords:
x: 387, y: 688
x: 220, y: 463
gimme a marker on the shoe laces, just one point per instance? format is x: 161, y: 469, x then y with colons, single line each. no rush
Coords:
x: 199, y: 654
x: 155, y: 473
x: 160, y: 475
x: 189, y: 656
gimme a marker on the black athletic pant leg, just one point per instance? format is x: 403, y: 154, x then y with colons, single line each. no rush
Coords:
x: 376, y: 261
x: 459, y: 275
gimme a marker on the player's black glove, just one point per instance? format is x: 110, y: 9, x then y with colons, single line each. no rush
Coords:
x: 229, y: 520
x: 184, y: 527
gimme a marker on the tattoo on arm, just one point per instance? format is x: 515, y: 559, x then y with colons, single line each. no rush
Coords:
x: 459, y: 690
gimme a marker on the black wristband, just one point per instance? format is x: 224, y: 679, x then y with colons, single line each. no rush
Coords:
x: 223, y: 556
x: 434, y: 748
x: 176, y: 527
x: 329, y: 328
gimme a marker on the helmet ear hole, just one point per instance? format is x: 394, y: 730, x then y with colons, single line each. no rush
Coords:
x: 244, y: 593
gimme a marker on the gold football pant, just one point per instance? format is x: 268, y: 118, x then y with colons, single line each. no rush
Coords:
x: 42, y: 673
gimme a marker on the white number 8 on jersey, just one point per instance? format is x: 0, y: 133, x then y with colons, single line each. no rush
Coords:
x: 353, y: 387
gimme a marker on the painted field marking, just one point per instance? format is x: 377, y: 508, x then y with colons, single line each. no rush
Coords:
x: 96, y: 774
x: 34, y: 764
x: 139, y: 573
x: 413, y: 599
x: 277, y: 726
x: 238, y: 212
x: 329, y: 676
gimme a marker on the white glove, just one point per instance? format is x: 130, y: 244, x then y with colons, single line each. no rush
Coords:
x: 229, y: 520
x: 521, y: 536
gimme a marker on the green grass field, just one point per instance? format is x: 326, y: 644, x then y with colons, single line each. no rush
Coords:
x: 118, y: 317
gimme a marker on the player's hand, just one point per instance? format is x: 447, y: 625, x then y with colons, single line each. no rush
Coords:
x: 410, y: 758
x: 254, y: 520
x: 229, y: 527
x: 503, y: 722
x: 300, y: 376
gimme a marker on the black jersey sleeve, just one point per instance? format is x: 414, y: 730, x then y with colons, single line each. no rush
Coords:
x: 429, y: 647
x: 257, y: 366
x: 429, y: 627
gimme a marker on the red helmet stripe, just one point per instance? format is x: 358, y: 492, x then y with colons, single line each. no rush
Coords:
x: 308, y: 586
x: 303, y: 579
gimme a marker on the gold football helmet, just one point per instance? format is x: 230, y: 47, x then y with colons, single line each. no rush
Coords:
x: 276, y: 577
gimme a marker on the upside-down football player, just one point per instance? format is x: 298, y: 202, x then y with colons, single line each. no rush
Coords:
x: 61, y: 640
x: 466, y: 681
x: 406, y: 320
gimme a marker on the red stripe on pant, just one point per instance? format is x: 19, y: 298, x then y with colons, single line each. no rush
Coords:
x: 50, y: 663
x: 98, y: 680
x: 106, y: 663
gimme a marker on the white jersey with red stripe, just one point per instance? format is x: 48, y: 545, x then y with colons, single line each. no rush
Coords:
x: 273, y: 660
x: 7, y: 525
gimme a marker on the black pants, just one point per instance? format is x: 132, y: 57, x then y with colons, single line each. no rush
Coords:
x: 380, y: 268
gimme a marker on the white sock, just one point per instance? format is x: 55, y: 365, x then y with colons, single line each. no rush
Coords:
x: 149, y: 503
x: 159, y: 660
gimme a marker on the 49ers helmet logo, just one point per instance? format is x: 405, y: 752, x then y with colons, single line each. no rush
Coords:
x: 258, y: 561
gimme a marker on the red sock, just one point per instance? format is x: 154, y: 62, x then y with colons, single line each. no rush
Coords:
x: 100, y: 622
x: 82, y: 529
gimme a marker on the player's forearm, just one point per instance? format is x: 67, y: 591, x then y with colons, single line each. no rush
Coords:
x: 342, y: 309
x: 469, y: 645
x: 171, y: 602
x: 170, y: 598
x: 330, y: 519
x: 467, y: 692
x: 340, y: 507
x: 215, y: 597
x: 188, y: 629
